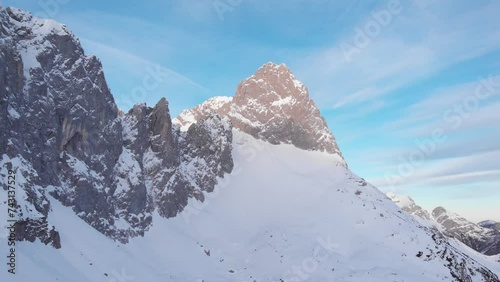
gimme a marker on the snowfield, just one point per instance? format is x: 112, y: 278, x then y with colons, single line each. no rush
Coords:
x: 284, y: 214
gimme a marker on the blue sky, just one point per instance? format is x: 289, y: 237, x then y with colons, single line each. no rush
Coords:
x: 387, y: 75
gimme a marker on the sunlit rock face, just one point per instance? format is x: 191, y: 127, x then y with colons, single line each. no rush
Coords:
x: 271, y: 105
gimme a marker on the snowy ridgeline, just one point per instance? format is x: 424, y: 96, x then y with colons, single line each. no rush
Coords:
x: 283, y: 213
x: 482, y: 237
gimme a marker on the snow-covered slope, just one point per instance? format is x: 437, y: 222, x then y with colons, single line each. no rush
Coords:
x: 482, y: 239
x: 408, y: 204
x: 283, y: 213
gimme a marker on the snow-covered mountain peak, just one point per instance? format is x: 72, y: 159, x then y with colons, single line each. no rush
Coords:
x: 217, y: 104
x: 482, y: 239
x: 408, y: 204
x: 487, y: 222
x: 38, y: 27
x: 441, y: 214
x: 18, y: 14
x: 271, y: 105
x: 402, y: 201
x: 273, y: 67
x: 270, y: 70
x: 44, y: 43
x: 452, y: 221
x: 275, y: 83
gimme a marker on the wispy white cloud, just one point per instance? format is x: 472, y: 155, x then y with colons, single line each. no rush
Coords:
x: 394, y: 59
x: 135, y: 64
x: 455, y: 109
x: 449, y: 171
x: 129, y: 53
x: 362, y: 95
x: 362, y: 112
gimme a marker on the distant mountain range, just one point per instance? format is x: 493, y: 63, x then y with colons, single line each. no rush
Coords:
x: 483, y: 237
x: 490, y: 224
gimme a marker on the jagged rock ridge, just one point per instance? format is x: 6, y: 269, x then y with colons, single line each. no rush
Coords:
x: 481, y: 239
x: 486, y: 241
x: 408, y: 204
x: 63, y: 135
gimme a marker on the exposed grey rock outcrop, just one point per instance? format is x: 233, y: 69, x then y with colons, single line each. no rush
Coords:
x: 271, y: 105
x: 461, y: 266
x: 179, y: 165
x: 490, y: 224
x: 483, y: 240
x: 30, y: 230
x: 486, y: 241
x: 63, y: 134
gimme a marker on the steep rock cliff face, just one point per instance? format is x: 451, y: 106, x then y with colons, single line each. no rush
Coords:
x: 271, y: 105
x: 58, y: 113
x: 176, y: 165
x: 484, y: 240
x: 63, y: 135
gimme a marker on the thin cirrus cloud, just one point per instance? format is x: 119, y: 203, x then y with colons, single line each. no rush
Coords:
x: 392, y: 60
x: 476, y: 102
x: 453, y: 122
x: 449, y: 172
x: 130, y: 54
x: 362, y: 112
x: 132, y: 62
x: 129, y: 72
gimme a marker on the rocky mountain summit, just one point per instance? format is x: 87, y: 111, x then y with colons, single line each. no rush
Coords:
x: 271, y: 105
x: 486, y: 241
